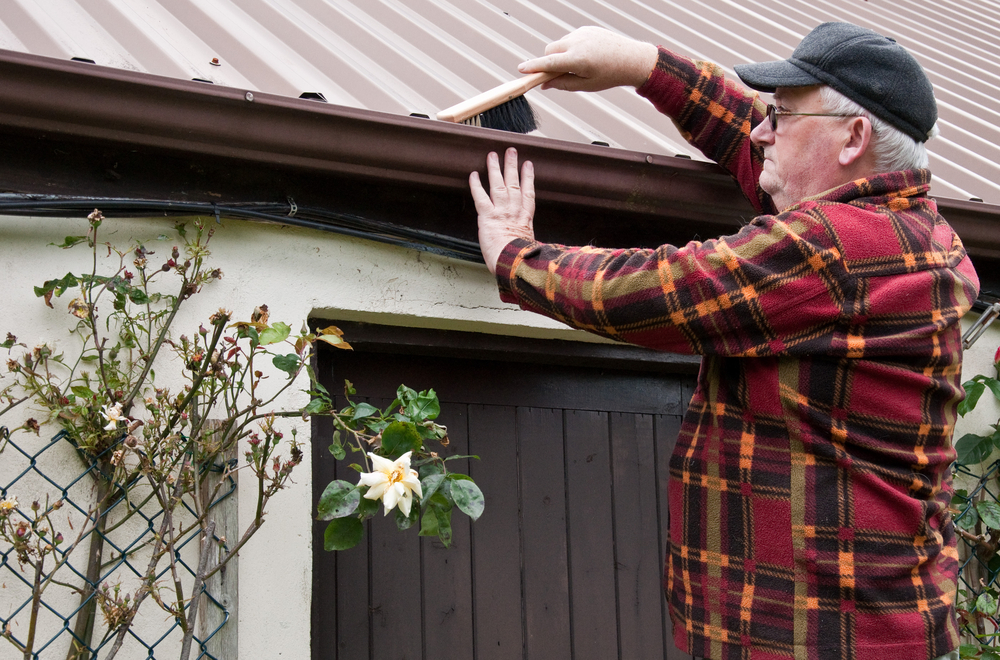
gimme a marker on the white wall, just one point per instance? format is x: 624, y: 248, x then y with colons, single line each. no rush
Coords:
x: 297, y: 273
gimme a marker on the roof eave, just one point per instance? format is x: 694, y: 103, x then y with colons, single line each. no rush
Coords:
x: 76, y: 100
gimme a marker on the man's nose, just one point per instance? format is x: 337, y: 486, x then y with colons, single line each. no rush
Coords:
x: 762, y: 132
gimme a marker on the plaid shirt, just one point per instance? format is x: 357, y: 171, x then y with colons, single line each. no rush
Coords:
x: 810, y: 482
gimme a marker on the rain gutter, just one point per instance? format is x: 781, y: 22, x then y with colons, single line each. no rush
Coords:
x: 47, y: 97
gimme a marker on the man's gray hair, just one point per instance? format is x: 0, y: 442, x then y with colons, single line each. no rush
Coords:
x: 894, y: 150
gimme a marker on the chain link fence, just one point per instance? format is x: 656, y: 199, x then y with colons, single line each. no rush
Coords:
x: 976, y: 512
x: 81, y: 596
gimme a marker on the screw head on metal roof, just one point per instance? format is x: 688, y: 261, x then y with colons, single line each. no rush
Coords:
x: 215, y: 62
x: 249, y: 96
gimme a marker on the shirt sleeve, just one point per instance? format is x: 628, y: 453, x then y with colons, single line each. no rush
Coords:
x: 774, y: 288
x: 713, y: 113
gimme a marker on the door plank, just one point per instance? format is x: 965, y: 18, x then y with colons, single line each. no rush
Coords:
x: 447, y: 572
x: 637, y: 538
x: 543, y: 529
x: 496, y: 546
x: 591, y: 536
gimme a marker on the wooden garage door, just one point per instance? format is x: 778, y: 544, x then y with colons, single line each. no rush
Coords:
x: 566, y: 561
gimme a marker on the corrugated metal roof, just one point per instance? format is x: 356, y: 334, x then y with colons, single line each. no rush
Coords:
x: 419, y: 56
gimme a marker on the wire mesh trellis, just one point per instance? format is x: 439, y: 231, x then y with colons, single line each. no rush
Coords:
x: 979, y: 560
x: 125, y: 530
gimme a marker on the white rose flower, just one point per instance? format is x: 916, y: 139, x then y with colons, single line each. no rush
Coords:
x: 392, y: 481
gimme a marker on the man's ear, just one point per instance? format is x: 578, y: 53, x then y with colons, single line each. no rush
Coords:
x: 858, y: 137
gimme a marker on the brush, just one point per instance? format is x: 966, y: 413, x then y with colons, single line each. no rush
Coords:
x: 503, y: 107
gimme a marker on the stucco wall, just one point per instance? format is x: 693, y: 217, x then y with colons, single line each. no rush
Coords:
x: 297, y: 273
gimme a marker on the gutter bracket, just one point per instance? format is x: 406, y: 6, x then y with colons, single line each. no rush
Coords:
x: 980, y: 326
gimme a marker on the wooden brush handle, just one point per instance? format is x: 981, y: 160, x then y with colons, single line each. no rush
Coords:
x: 494, y: 97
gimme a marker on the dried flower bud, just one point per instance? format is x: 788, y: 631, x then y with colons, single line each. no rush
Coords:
x: 59, y: 538
x: 165, y: 267
x: 95, y: 216
x: 128, y: 276
x: 35, y: 506
x: 58, y: 505
x: 32, y: 425
x: 260, y: 315
x: 175, y: 253
x: 131, y: 441
x: 22, y: 530
x: 13, y: 366
x: 79, y: 308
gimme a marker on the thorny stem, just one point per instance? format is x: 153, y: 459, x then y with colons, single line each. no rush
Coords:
x: 199, y: 581
x: 149, y: 581
x: 83, y: 629
x: 206, y: 362
x: 36, y: 600
x: 14, y: 405
x: 156, y: 347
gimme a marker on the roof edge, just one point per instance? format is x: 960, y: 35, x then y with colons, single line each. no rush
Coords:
x: 49, y: 97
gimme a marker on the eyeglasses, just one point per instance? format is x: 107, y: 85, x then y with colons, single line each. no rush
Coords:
x: 773, y: 113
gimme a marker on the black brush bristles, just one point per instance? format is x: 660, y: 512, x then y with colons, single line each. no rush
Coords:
x: 514, y: 116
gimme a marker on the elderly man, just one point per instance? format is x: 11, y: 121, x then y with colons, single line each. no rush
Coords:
x: 810, y: 482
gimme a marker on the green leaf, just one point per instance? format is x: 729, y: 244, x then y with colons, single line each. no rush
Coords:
x: 467, y: 496
x: 968, y: 651
x: 436, y: 520
x: 989, y: 513
x: 57, y: 286
x: 968, y: 519
x: 337, y: 447
x: 986, y: 604
x: 993, y: 384
x: 287, y: 363
x: 429, y: 486
x: 989, y: 654
x: 973, y: 390
x: 138, y: 296
x: 83, y: 392
x: 404, y: 395
x: 342, y: 534
x: 366, y: 507
x: 423, y: 406
x: 399, y: 438
x: 275, y: 333
x: 364, y: 410
x: 406, y: 522
x: 70, y: 241
x: 339, y: 499
x: 315, y: 406
x: 973, y: 449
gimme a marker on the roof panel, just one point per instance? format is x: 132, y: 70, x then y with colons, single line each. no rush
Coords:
x: 406, y: 56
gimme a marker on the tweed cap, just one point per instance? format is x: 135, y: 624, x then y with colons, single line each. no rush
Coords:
x: 873, y: 71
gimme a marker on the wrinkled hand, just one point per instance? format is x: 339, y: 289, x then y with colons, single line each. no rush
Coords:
x: 508, y: 211
x: 593, y: 59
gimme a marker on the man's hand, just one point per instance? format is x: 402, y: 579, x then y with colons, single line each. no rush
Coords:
x: 508, y: 211
x: 593, y: 59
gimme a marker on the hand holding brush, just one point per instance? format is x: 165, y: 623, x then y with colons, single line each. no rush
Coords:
x: 503, y: 107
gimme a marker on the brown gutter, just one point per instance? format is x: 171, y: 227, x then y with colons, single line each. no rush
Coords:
x: 75, y: 100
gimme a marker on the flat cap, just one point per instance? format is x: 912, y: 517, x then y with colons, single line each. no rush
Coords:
x: 872, y: 70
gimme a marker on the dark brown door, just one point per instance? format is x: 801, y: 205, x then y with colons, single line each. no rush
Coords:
x: 566, y: 561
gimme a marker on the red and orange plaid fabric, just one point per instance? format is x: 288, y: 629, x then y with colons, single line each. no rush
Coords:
x: 810, y: 482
